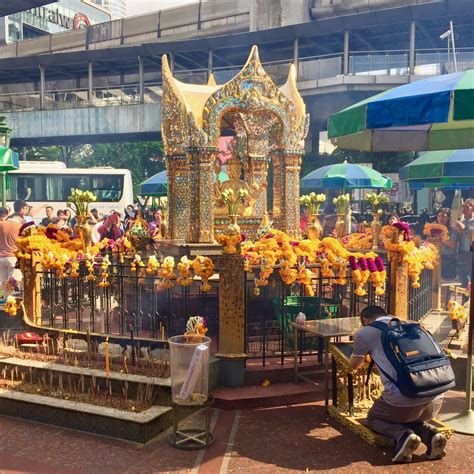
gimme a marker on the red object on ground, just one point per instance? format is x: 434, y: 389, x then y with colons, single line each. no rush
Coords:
x: 28, y: 337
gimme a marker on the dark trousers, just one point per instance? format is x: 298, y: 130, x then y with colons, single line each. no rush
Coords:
x: 393, y: 421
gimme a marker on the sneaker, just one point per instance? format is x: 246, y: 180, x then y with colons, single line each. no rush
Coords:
x: 407, y: 445
x: 436, y: 446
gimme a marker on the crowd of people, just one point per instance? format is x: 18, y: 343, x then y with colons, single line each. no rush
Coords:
x: 111, y: 226
x: 455, y: 257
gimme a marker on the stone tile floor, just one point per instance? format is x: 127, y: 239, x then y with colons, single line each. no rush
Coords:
x: 297, y: 438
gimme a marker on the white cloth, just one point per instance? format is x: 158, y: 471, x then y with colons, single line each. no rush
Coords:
x: 7, y: 265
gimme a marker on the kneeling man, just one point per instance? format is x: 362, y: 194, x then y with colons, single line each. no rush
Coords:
x: 395, y: 415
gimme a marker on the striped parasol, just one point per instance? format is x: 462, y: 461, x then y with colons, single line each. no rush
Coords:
x: 345, y: 176
x: 436, y: 113
x: 441, y: 169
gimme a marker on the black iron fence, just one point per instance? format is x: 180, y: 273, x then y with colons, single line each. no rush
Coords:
x: 268, y: 315
x: 137, y: 300
x: 128, y: 300
x: 420, y: 299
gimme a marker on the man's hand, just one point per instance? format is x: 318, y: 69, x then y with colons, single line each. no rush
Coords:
x: 460, y: 227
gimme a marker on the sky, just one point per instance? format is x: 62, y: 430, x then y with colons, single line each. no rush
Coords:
x: 138, y: 7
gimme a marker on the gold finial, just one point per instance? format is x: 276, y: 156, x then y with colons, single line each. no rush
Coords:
x: 211, y: 80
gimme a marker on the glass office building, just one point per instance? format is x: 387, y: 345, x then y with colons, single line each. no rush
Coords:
x: 56, y: 17
x: 117, y: 8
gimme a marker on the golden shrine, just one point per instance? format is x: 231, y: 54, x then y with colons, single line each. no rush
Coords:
x: 269, y: 124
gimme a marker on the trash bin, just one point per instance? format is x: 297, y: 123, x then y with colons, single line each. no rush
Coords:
x: 189, y: 363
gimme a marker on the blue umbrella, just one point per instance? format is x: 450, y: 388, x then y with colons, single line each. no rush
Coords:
x: 345, y: 176
x: 157, y: 185
x: 436, y: 113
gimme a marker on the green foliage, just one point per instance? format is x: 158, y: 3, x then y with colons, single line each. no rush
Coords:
x: 382, y: 162
x: 133, y: 156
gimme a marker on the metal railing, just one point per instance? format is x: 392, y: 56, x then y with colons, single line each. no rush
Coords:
x: 420, y: 299
x: 131, y: 300
x: 268, y: 315
x: 314, y: 68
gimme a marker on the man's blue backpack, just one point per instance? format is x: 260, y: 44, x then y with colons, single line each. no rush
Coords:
x: 423, y: 369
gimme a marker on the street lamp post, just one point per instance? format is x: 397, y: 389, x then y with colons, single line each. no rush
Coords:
x: 5, y: 133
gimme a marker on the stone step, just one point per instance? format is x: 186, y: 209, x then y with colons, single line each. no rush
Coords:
x: 257, y: 396
x: 137, y: 427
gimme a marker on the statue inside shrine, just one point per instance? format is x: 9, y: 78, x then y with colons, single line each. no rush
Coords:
x: 234, y: 171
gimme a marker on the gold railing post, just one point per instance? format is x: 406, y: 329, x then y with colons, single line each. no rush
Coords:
x: 231, y: 348
x: 398, y: 285
x: 436, y: 280
x: 32, y: 289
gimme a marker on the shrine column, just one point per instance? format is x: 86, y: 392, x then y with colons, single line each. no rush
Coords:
x: 177, y: 169
x: 277, y: 164
x: 260, y: 170
x: 201, y: 213
x: 289, y: 221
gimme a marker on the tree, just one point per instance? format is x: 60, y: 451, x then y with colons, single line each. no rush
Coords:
x: 143, y: 159
x: 65, y: 153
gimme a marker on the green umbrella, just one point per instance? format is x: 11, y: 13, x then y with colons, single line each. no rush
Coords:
x: 436, y: 113
x: 8, y: 162
x: 345, y: 176
x: 157, y: 185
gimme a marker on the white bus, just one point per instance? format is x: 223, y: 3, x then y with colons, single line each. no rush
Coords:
x: 49, y: 183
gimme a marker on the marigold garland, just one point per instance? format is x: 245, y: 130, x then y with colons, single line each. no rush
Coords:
x: 436, y: 231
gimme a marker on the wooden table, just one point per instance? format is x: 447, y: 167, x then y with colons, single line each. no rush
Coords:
x: 326, y: 329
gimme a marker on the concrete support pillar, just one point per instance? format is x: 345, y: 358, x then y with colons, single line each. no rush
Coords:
x: 231, y: 348
x: 345, y: 66
x: 172, y: 62
x: 141, y: 80
x: 296, y: 53
x: 210, y: 63
x: 201, y: 217
x: 177, y: 169
x: 411, y: 59
x: 42, y: 85
x: 90, y: 83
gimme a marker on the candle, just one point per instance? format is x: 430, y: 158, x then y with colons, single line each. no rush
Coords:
x: 162, y: 332
x: 107, y: 362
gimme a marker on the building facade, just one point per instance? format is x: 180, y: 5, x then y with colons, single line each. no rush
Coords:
x: 57, y: 17
x: 117, y: 8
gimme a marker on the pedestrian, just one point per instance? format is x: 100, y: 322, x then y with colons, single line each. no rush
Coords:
x: 110, y: 228
x: 20, y: 210
x: 9, y: 229
x: 396, y: 415
x: 465, y: 228
x: 448, y: 247
x: 49, y: 219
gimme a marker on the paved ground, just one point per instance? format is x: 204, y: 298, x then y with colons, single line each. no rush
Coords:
x: 296, y: 438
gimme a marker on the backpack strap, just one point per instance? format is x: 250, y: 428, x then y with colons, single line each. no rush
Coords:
x: 380, y: 326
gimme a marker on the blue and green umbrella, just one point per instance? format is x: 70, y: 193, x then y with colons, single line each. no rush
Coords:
x: 436, y: 113
x: 449, y: 169
x: 345, y: 176
x: 157, y: 185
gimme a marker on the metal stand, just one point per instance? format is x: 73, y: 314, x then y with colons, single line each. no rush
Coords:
x: 464, y: 422
x: 191, y: 438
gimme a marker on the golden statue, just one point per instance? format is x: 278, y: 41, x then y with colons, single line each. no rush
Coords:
x: 234, y: 170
